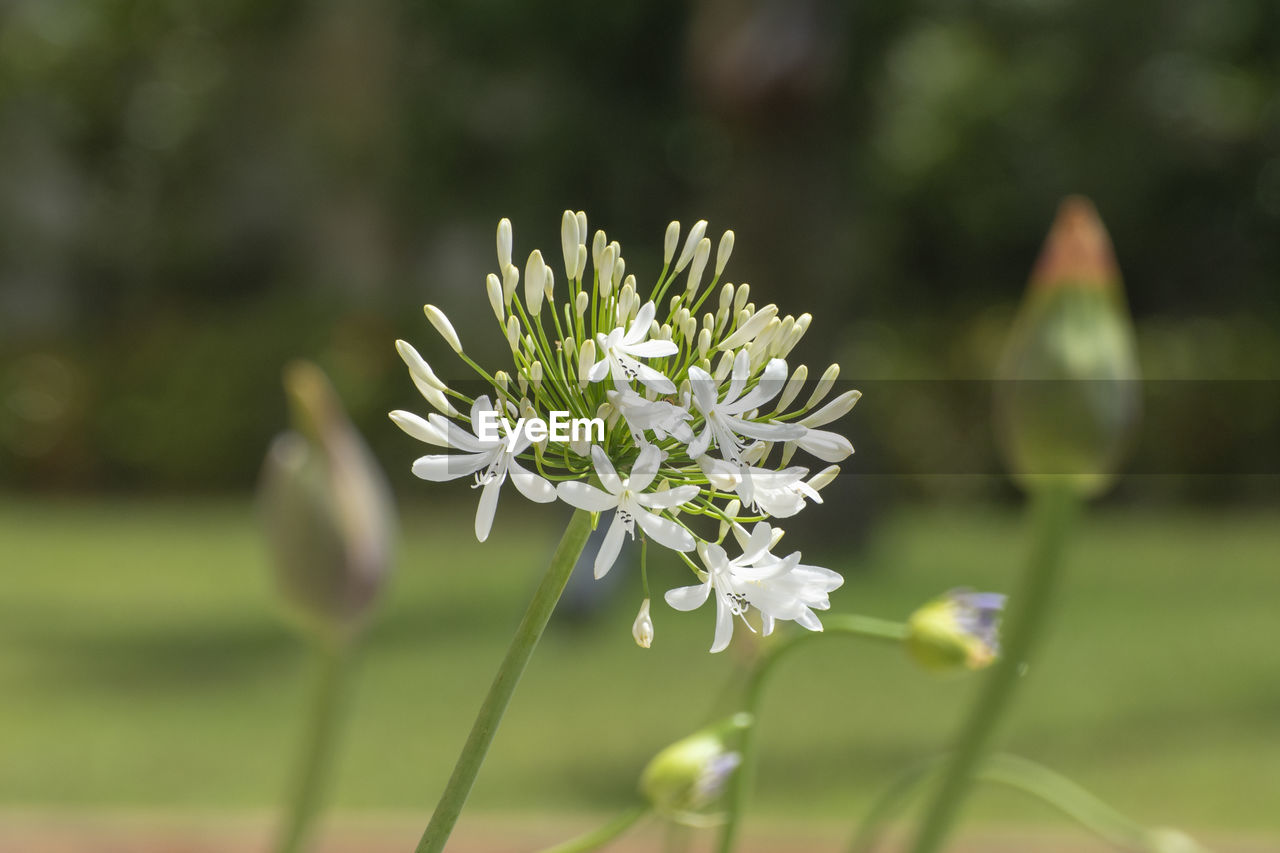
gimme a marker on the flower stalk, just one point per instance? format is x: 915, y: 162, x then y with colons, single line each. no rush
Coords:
x: 597, y: 838
x: 866, y: 627
x: 1053, y: 510
x: 504, y: 683
x: 314, y: 769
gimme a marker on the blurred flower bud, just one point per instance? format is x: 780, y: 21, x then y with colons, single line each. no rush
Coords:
x: 689, y: 774
x: 327, y: 509
x: 1067, y: 397
x: 1165, y: 840
x: 642, y: 628
x: 958, y: 630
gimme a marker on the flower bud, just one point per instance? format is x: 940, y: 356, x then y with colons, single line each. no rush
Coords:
x: 569, y: 240
x: 580, y: 302
x: 958, y: 630
x: 723, y: 251
x: 642, y: 628
x: 604, y: 267
x: 494, y: 288
x: 586, y: 360
x: 824, y: 386
x: 824, y: 477
x: 833, y: 411
x: 504, y: 243
x: 748, y: 329
x: 793, y: 387
x: 1164, y: 840
x: 327, y: 510
x: 698, y: 267
x: 535, y: 281
x: 443, y: 326
x: 1067, y: 399
x: 740, y: 296
x: 691, y: 244
x: 731, y: 510
x: 581, y: 266
x: 689, y: 774
x: 510, y: 280
x: 669, y: 243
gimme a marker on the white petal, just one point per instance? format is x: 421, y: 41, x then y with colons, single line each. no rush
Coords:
x: 651, y: 378
x: 704, y: 389
x: 530, y: 485
x: 724, y: 625
x: 610, y: 547
x: 651, y: 349
x: 639, y: 327
x: 699, y: 445
x: 827, y: 446
x: 488, y: 506
x: 670, y: 498
x: 771, y: 383
x: 664, y: 531
x: 599, y: 370
x: 584, y: 496
x: 766, y: 430
x: 806, y: 619
x: 419, y: 428
x: 645, y: 468
x: 457, y: 438
x: 687, y: 598
x: 439, y: 468
x: 604, y: 469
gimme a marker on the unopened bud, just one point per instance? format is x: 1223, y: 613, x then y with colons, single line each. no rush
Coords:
x: 824, y: 385
x: 504, y: 243
x: 669, y: 243
x: 535, y: 281
x: 698, y: 267
x: 691, y: 244
x: 960, y: 630
x: 327, y: 510
x: 494, y: 288
x: 569, y: 241
x: 443, y: 326
x: 1067, y: 399
x: 689, y: 774
x: 723, y: 251
x: 642, y: 628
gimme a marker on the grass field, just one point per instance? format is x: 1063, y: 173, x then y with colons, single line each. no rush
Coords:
x: 144, y: 664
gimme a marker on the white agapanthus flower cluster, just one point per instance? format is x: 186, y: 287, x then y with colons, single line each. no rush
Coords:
x: 696, y: 401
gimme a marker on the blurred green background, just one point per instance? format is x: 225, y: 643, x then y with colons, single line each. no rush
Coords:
x: 191, y: 194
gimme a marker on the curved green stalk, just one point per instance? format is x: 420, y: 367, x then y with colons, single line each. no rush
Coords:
x: 597, y: 838
x: 318, y: 747
x: 1053, y: 510
x: 741, y: 782
x: 1023, y: 775
x: 504, y: 683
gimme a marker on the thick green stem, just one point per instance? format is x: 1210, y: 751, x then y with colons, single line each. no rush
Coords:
x: 1053, y: 509
x: 321, y: 736
x: 504, y: 683
x: 597, y: 838
x: 742, y: 781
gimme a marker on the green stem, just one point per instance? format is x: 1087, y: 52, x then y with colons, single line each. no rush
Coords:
x: 504, y: 683
x: 1022, y: 775
x: 1053, y: 510
x: 317, y: 756
x: 866, y: 627
x: 597, y: 838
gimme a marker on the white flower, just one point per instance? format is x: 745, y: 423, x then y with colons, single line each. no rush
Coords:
x: 494, y: 456
x: 632, y: 507
x: 620, y: 349
x: 661, y: 417
x: 723, y: 419
x: 779, y: 588
x: 780, y: 494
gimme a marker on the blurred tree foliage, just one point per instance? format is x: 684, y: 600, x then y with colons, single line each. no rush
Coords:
x: 190, y: 194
